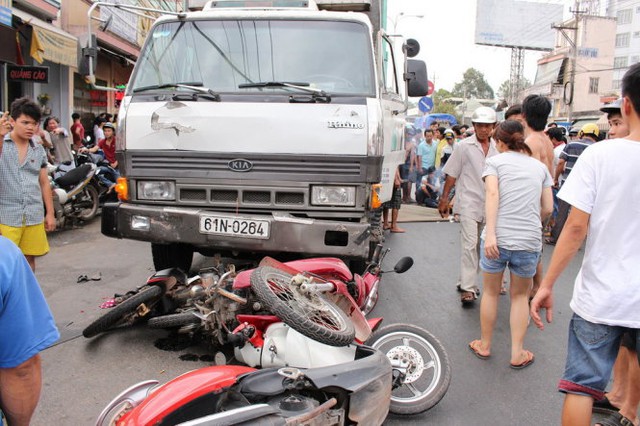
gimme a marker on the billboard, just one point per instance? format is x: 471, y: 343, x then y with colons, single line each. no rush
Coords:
x: 517, y: 23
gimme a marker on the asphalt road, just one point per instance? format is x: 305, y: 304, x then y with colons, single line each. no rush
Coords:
x: 81, y: 376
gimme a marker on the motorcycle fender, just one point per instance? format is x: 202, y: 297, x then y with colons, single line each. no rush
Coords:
x: 374, y: 323
x: 181, y: 391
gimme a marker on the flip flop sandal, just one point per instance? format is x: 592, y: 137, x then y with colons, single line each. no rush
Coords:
x: 467, y: 298
x: 524, y: 364
x: 615, y: 419
x: 604, y: 406
x: 475, y: 351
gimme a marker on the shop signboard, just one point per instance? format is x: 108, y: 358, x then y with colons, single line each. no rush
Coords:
x: 5, y: 12
x: 19, y: 73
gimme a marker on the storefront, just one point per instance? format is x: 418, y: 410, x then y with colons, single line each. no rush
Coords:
x: 44, y: 56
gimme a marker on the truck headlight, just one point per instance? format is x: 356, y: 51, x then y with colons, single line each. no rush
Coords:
x: 156, y: 190
x: 333, y: 195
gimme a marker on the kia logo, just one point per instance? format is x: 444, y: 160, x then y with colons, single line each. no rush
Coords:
x: 240, y: 165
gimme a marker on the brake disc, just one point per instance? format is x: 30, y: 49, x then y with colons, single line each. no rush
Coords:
x: 410, y: 356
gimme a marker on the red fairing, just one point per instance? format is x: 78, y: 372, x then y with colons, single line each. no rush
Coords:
x: 243, y: 279
x: 180, y: 391
x: 324, y: 266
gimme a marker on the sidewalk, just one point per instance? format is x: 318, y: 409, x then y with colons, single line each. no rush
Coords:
x: 416, y: 213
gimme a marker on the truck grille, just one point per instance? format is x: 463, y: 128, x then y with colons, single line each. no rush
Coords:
x: 216, y: 196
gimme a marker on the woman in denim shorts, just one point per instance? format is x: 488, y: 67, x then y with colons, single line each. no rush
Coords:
x: 518, y: 199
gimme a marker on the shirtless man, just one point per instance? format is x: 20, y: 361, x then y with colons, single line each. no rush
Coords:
x: 536, y: 109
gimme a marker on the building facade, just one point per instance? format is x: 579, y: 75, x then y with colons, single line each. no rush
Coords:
x: 627, y: 43
x: 593, y: 78
x: 41, y: 53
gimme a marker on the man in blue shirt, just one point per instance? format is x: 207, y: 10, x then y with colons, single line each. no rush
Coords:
x: 26, y: 328
x: 426, y: 155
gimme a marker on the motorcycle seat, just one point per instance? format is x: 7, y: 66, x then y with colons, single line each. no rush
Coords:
x: 265, y: 382
x: 73, y: 177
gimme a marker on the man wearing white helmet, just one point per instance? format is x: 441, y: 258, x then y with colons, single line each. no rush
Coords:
x: 464, y: 171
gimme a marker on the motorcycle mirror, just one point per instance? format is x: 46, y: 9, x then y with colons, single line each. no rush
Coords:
x: 403, y: 265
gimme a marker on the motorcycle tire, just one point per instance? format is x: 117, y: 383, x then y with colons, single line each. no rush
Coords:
x: 172, y: 256
x: 122, y: 312
x: 429, y: 375
x: 314, y: 316
x: 89, y: 193
x: 173, y: 321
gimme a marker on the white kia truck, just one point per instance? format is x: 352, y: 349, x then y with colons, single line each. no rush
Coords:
x: 269, y: 127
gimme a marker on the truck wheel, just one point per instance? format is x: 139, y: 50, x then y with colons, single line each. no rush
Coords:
x: 172, y: 256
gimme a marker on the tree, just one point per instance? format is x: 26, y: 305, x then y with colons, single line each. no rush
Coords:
x: 505, y: 90
x: 442, y: 107
x: 473, y: 85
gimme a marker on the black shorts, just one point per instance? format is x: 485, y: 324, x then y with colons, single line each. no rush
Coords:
x: 629, y: 339
x: 396, y: 200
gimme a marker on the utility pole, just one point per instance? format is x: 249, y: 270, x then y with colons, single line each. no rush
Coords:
x: 573, y: 42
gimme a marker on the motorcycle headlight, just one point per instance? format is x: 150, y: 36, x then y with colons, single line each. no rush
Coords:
x: 333, y: 195
x: 156, y: 190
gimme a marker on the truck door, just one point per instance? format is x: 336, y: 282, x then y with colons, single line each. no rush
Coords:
x: 393, y: 117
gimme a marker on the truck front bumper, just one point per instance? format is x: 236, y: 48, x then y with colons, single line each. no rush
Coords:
x: 166, y: 225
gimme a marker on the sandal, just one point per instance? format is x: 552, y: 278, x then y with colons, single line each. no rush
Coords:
x: 474, y: 347
x: 615, y: 419
x: 527, y: 362
x: 604, y: 406
x: 467, y: 298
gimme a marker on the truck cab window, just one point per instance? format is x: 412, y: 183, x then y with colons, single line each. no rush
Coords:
x: 389, y: 70
x: 334, y: 56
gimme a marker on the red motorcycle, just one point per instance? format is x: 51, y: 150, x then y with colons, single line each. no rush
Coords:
x: 356, y: 392
x: 320, y: 303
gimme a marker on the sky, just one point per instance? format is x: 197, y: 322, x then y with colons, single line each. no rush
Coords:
x: 446, y: 36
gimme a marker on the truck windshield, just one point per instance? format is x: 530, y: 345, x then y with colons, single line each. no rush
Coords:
x: 232, y: 56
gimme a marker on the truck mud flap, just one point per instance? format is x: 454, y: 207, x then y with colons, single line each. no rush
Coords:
x: 109, y: 225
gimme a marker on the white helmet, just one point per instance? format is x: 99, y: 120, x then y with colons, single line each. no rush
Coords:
x: 484, y: 115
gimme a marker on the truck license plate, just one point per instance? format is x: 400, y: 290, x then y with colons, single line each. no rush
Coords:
x: 236, y: 227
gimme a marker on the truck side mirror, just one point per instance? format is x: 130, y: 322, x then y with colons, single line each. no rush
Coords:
x: 416, y: 77
x: 411, y: 47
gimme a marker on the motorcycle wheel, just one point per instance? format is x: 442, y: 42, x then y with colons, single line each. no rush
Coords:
x: 173, y: 321
x: 172, y: 256
x: 89, y: 193
x: 312, y: 315
x: 429, y: 373
x: 124, y: 313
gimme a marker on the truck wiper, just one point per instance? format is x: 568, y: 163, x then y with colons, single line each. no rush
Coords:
x: 293, y: 85
x: 196, y: 87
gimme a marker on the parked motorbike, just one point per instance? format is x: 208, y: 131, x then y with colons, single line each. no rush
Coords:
x: 102, y: 167
x: 74, y: 198
x: 356, y: 392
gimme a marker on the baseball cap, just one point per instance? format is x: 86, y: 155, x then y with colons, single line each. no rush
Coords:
x: 108, y: 125
x: 590, y: 129
x: 614, y: 106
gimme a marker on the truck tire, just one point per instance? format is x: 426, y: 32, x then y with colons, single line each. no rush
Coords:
x: 172, y: 256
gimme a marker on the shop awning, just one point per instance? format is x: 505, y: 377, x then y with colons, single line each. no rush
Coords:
x: 58, y: 45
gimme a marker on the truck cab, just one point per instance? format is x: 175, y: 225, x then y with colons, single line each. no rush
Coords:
x: 249, y: 129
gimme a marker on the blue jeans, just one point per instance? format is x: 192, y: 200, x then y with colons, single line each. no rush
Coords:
x: 107, y: 175
x: 521, y: 262
x: 592, y: 351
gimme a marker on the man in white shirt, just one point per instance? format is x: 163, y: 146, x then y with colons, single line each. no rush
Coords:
x: 605, y: 198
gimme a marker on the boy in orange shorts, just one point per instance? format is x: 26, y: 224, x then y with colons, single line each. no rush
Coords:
x: 24, y: 185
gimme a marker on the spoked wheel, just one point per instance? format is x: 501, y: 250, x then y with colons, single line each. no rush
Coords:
x: 421, y: 357
x: 310, y: 314
x: 89, y: 200
x: 174, y: 320
x: 124, y: 313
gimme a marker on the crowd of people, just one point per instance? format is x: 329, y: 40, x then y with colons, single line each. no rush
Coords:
x: 508, y: 179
